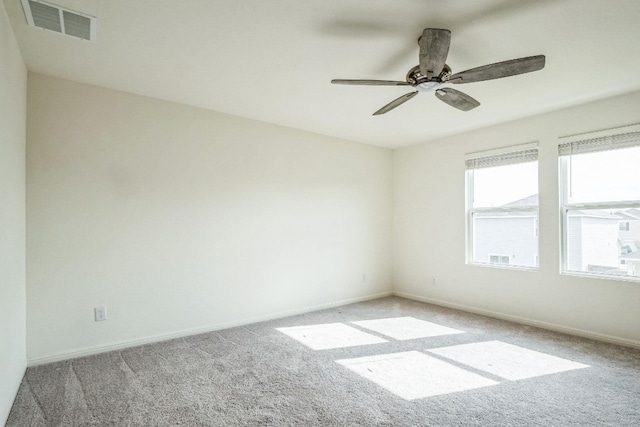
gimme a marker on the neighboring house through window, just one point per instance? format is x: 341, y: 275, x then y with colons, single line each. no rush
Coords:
x: 499, y: 259
x: 600, y: 204
x: 502, y: 207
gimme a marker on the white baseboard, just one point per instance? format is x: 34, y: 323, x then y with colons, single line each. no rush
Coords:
x: 525, y: 321
x: 119, y: 345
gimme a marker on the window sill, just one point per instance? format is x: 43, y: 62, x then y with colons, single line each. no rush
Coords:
x: 503, y: 267
x: 633, y: 279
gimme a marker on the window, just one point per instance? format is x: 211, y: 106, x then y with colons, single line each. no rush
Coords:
x: 502, y: 207
x: 600, y: 204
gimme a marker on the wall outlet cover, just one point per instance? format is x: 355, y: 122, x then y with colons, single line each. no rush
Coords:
x: 100, y: 313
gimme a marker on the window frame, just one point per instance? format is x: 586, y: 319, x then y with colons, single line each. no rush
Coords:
x: 470, y: 210
x: 565, y: 206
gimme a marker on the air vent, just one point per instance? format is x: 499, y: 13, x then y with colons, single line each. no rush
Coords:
x: 55, y: 18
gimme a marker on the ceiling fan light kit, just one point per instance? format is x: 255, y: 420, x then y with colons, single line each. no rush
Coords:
x: 432, y: 72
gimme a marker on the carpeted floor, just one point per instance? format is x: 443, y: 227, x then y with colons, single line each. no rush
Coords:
x: 465, y: 370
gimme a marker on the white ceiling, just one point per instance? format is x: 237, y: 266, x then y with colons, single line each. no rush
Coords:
x: 273, y: 60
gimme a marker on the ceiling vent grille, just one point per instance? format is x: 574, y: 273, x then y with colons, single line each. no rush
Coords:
x: 55, y: 18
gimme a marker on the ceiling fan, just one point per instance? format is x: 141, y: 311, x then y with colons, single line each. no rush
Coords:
x: 432, y: 73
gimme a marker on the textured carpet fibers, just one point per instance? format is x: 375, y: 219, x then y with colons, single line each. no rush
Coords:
x: 296, y: 371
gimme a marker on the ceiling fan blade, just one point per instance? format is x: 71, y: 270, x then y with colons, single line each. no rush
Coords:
x: 499, y: 69
x: 434, y: 48
x: 395, y: 103
x: 457, y: 99
x: 369, y: 82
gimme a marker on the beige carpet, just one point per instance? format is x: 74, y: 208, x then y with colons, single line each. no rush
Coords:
x: 388, y: 362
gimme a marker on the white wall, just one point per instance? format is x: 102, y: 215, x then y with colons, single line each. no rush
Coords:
x: 180, y: 219
x: 429, y: 231
x: 13, y: 92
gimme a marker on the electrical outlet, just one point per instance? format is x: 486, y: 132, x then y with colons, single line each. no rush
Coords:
x: 434, y: 282
x: 364, y: 278
x: 100, y: 313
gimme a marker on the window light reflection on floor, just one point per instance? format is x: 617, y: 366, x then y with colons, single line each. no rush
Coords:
x: 406, y: 328
x: 330, y: 335
x: 415, y: 375
x: 506, y: 360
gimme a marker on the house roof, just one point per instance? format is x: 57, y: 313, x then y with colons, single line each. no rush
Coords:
x: 630, y: 214
x: 531, y: 200
x: 273, y: 60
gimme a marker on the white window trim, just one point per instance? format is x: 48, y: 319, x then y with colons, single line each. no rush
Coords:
x: 470, y: 210
x: 565, y: 206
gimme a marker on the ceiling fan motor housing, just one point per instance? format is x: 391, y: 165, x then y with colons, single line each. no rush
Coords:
x: 415, y: 78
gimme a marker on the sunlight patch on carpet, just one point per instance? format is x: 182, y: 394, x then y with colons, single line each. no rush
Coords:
x: 415, y: 375
x: 406, y: 328
x: 506, y: 360
x: 330, y: 335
